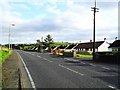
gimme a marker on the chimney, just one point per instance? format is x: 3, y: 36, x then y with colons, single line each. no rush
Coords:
x: 115, y: 38
x: 104, y: 39
x: 90, y: 40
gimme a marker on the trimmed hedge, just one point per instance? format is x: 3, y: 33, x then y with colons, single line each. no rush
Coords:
x: 83, y: 52
x: 108, y: 56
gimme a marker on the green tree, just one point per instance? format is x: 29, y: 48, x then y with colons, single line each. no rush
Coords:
x: 48, y: 41
x: 39, y: 45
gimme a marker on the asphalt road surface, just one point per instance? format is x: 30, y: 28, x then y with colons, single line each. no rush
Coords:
x: 50, y: 71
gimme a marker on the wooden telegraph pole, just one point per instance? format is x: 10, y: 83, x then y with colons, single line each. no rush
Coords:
x: 94, y: 9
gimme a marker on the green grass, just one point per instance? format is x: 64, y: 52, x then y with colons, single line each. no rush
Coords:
x: 60, y: 43
x: 84, y: 56
x: 4, y: 55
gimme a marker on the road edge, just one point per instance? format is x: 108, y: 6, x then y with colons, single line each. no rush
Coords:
x: 26, y: 79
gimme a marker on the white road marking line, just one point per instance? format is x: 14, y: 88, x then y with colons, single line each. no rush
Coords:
x: 27, y: 52
x: 82, y: 62
x: 106, y: 68
x: 50, y: 61
x: 38, y: 56
x: 33, y: 54
x: 92, y: 64
x: 47, y: 60
x: 71, y: 59
x: 111, y: 87
x: 31, y: 80
x: 71, y: 70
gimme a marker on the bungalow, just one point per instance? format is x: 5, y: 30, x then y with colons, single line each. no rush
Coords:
x: 59, y: 49
x: 71, y: 47
x: 53, y: 47
x: 100, y: 46
x: 115, y: 46
x: 62, y: 47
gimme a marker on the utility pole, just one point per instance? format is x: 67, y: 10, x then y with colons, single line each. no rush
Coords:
x: 9, y: 38
x: 42, y: 44
x: 94, y: 9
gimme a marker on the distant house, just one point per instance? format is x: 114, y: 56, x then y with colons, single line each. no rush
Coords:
x: 62, y: 47
x: 88, y: 46
x: 71, y: 47
x: 53, y: 47
x: 115, y: 46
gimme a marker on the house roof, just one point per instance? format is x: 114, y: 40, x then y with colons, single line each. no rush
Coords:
x: 53, y: 47
x: 115, y: 44
x: 89, y: 44
x: 62, y: 46
x: 59, y: 47
x: 71, y: 46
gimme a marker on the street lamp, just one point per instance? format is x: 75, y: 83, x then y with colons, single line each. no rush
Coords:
x: 94, y: 9
x: 10, y: 34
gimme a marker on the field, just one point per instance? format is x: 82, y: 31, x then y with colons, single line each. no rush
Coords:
x: 4, y: 53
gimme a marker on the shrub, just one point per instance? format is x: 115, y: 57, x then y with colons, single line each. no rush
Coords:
x: 83, y: 52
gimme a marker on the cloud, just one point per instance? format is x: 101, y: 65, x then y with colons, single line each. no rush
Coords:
x: 73, y: 22
x: 21, y: 5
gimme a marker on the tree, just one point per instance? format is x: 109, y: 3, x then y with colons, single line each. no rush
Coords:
x: 48, y: 41
x: 39, y: 45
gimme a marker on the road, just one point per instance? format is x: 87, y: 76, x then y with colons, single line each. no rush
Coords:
x: 50, y: 71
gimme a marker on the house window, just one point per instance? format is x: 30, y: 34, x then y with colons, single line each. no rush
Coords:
x: 115, y: 49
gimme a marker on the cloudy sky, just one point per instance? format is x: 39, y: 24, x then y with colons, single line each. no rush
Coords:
x: 64, y: 20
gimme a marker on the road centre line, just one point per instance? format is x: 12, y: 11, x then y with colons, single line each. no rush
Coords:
x: 106, y: 68
x: 44, y: 58
x: 28, y: 52
x: 92, y: 64
x: 32, y: 54
x: 31, y: 80
x: 38, y: 56
x: 47, y: 60
x: 111, y: 87
x: 71, y: 70
x: 71, y: 59
x: 82, y: 62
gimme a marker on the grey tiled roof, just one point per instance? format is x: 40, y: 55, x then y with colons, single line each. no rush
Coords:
x: 89, y: 44
x: 115, y: 44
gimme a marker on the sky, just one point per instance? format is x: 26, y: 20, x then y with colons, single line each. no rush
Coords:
x: 64, y: 20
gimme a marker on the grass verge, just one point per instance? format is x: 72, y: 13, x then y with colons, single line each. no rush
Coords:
x: 4, y: 55
x: 84, y: 56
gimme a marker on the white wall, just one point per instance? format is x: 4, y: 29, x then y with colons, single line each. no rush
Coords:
x: 109, y: 49
x: 103, y: 47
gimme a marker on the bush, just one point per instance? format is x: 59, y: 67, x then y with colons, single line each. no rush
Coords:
x: 83, y: 52
x: 106, y: 53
